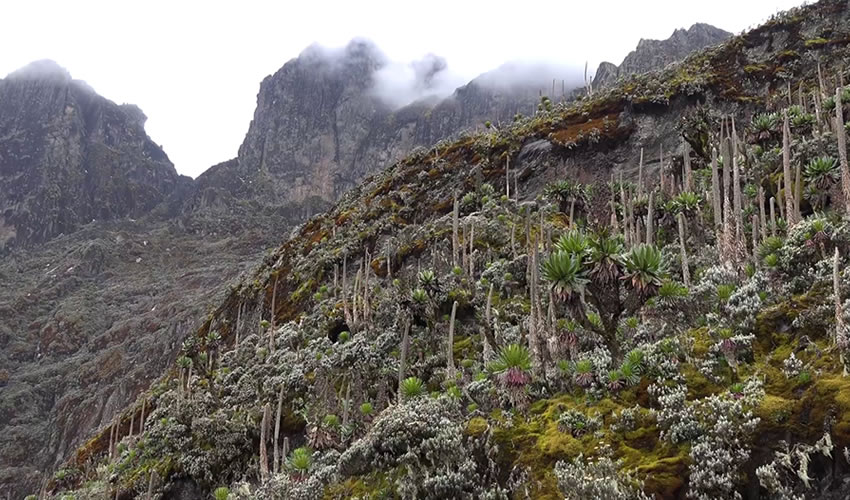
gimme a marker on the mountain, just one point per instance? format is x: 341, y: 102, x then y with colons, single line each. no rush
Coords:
x: 69, y: 156
x: 655, y: 54
x: 431, y: 337
x: 320, y: 125
x: 128, y: 257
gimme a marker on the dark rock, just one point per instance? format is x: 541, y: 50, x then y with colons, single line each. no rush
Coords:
x: 656, y: 54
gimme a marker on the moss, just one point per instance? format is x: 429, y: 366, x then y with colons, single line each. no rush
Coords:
x: 476, y: 426
x: 374, y: 486
x: 815, y: 43
x: 536, y: 443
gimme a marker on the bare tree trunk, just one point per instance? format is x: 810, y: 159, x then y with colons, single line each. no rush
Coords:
x: 689, y: 175
x: 840, y: 135
x: 686, y: 274
x: 650, y: 215
x: 346, y: 405
x: 276, y: 464
x: 715, y: 193
x: 736, y: 190
x: 489, y: 338
x: 274, y: 299
x: 513, y: 240
x: 772, y: 216
x: 728, y: 242
x: 450, y: 359
x: 355, y: 316
x: 152, y: 482
x: 508, y: 177
x: 454, y: 233
x: 763, y: 215
x: 640, y: 175
x: 402, y: 363
x: 836, y: 291
x: 345, y: 312
x: 790, y: 210
x: 755, y: 240
x: 264, y: 456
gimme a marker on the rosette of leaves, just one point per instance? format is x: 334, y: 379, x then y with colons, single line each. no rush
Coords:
x: 644, y: 269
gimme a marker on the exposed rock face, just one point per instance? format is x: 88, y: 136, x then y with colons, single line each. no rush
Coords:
x: 320, y: 127
x: 68, y: 156
x: 655, y: 54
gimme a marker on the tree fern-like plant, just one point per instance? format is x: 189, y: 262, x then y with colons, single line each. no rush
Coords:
x: 564, y: 193
x: 630, y: 373
x: 574, y: 242
x: 221, y: 493
x: 764, y: 125
x: 686, y: 203
x: 584, y: 373
x: 566, y: 275
x: 771, y: 245
x: 512, y: 358
x: 615, y: 380
x: 412, y: 387
x: 605, y: 250
x: 513, y: 367
x: 300, y: 460
x: 822, y: 172
x: 644, y: 269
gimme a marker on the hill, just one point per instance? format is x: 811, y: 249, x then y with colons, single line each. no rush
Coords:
x: 501, y: 315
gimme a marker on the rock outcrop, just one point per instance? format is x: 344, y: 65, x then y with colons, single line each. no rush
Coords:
x: 69, y: 156
x: 655, y: 54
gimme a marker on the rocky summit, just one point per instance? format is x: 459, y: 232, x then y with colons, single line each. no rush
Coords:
x: 655, y: 54
x: 69, y: 157
x: 635, y: 290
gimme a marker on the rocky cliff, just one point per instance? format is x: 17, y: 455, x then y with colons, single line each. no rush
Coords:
x: 320, y: 126
x: 655, y: 54
x: 69, y: 156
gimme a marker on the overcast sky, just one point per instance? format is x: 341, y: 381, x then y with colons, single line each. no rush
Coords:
x: 195, y: 67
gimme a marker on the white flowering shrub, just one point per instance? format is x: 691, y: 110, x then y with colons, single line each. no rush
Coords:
x: 424, y: 438
x: 577, y: 423
x: 726, y: 424
x: 792, y: 366
x: 582, y: 479
x: 786, y: 477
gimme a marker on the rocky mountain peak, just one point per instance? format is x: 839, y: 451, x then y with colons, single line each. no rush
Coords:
x: 44, y: 70
x: 69, y: 156
x: 655, y: 54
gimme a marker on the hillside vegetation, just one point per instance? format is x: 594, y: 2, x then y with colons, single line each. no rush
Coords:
x: 640, y: 294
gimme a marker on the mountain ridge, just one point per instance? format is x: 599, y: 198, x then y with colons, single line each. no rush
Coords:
x: 398, y: 221
x: 163, y: 268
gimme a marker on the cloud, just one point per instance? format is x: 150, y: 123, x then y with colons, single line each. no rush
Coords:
x: 43, y: 70
x: 398, y: 84
x: 529, y: 75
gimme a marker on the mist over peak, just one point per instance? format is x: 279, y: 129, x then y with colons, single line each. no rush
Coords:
x: 398, y: 84
x: 43, y: 70
x: 535, y: 75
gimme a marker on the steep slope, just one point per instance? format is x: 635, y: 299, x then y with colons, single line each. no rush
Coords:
x: 69, y: 156
x: 655, y: 54
x: 373, y: 345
